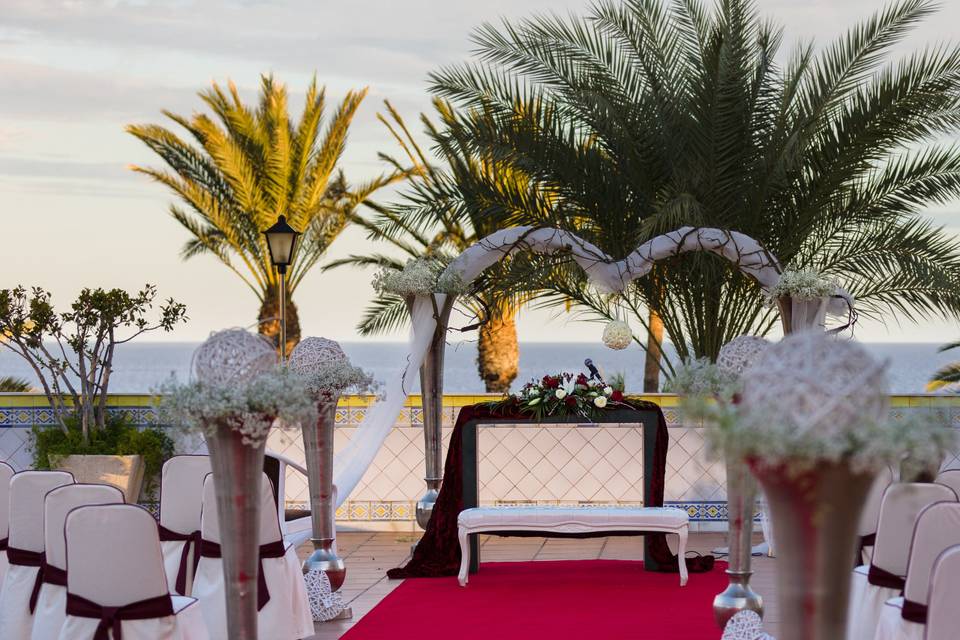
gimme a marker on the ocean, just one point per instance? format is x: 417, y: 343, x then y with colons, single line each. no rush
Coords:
x: 142, y: 367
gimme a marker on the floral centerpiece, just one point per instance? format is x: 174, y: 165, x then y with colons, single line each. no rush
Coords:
x: 803, y: 297
x: 563, y: 394
x: 238, y: 395
x: 429, y: 292
x: 419, y: 276
x: 812, y: 423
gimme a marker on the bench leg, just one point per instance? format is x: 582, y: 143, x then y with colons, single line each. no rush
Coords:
x: 682, y: 555
x: 464, y: 557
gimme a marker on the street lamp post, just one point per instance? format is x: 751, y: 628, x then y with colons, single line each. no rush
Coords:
x: 282, y: 243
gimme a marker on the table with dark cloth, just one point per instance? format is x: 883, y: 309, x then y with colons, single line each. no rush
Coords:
x: 438, y: 552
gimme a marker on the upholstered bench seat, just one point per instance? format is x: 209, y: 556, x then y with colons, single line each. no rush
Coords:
x: 548, y: 520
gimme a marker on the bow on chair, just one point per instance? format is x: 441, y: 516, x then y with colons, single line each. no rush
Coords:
x: 112, y: 617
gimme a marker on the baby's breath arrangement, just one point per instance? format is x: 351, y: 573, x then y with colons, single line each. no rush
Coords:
x: 250, y: 407
x: 802, y: 283
x: 420, y: 276
x: 700, y: 377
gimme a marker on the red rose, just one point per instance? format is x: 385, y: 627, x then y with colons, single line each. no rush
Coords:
x: 617, y: 396
x: 550, y: 382
x: 570, y: 401
x: 582, y: 379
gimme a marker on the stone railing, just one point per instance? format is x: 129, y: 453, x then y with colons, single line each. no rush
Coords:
x: 536, y: 464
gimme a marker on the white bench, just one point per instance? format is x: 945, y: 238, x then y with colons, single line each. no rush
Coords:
x: 571, y: 520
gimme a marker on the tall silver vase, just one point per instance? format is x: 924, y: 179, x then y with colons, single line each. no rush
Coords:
x: 318, y: 451
x: 431, y: 394
x: 800, y: 314
x: 237, y: 472
x: 741, y: 498
x: 815, y: 515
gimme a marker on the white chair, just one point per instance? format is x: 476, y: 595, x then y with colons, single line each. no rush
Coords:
x: 872, y: 585
x: 181, y: 501
x: 943, y: 614
x: 6, y: 473
x: 25, y: 553
x: 295, y: 524
x: 867, y: 531
x: 938, y: 529
x: 286, y: 615
x: 116, y: 582
x: 52, y: 599
x: 951, y: 478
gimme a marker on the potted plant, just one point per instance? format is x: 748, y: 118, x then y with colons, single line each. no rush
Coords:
x: 71, y: 354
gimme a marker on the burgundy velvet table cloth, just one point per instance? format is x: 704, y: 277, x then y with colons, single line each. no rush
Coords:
x: 438, y: 552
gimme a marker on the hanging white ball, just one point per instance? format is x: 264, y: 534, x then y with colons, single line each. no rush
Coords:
x: 739, y: 354
x: 817, y: 384
x: 233, y: 356
x: 617, y: 335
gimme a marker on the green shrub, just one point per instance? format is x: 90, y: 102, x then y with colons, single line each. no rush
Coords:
x: 118, y: 438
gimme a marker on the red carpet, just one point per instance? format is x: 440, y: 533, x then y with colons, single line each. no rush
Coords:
x: 581, y: 599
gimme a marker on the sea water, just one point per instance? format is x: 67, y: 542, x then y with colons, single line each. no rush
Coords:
x: 142, y: 367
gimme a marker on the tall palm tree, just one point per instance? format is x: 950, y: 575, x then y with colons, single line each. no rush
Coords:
x: 246, y: 166
x: 645, y: 116
x: 946, y: 377
x: 434, y: 219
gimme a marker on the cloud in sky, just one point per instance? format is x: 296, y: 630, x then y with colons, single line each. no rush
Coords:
x: 72, y: 73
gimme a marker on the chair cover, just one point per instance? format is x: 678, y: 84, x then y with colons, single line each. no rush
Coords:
x: 25, y: 551
x: 296, y: 525
x: 181, y: 499
x: 52, y: 598
x: 872, y: 585
x: 286, y: 615
x: 951, y: 478
x: 6, y: 473
x: 938, y: 529
x: 943, y: 614
x: 116, y: 582
x: 867, y: 530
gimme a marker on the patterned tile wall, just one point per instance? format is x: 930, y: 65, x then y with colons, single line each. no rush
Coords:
x: 546, y: 464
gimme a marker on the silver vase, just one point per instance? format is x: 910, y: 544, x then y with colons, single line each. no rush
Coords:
x: 237, y: 472
x: 431, y: 394
x: 815, y: 514
x: 318, y: 452
x: 741, y: 498
x: 801, y: 314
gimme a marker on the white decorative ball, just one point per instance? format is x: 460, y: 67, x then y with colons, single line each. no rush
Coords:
x: 232, y: 356
x: 817, y: 384
x: 313, y: 354
x: 739, y: 354
x: 617, y: 335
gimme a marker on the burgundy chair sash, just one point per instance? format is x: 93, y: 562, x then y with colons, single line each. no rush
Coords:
x: 26, y: 558
x: 276, y: 549
x: 914, y: 611
x: 880, y: 578
x: 4, y: 543
x: 54, y: 575
x: 111, y: 617
x: 190, y: 540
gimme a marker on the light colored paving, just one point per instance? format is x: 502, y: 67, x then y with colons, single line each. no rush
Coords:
x: 369, y: 555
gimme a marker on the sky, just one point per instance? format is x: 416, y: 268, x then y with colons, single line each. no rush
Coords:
x: 74, y: 72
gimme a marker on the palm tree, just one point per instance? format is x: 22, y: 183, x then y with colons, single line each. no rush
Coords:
x: 947, y: 376
x: 434, y: 219
x: 247, y: 166
x: 643, y: 117
x: 10, y: 384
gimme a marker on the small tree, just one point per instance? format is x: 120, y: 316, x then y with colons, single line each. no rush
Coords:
x: 72, y: 352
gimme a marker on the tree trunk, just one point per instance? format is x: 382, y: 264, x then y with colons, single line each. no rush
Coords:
x: 498, y: 354
x: 270, y: 319
x: 651, y: 365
